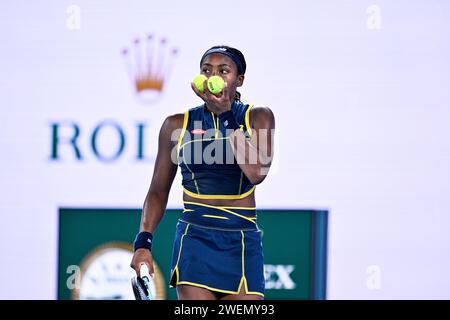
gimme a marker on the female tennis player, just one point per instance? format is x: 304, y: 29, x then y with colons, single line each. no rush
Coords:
x: 224, y: 149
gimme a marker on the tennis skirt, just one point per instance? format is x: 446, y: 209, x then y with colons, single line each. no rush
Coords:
x: 219, y: 249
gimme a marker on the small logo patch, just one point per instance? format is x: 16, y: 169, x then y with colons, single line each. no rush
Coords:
x: 198, y: 131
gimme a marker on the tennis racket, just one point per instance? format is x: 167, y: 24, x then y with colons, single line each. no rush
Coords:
x: 141, y: 284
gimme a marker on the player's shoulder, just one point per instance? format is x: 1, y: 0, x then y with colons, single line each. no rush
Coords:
x: 176, y: 120
x: 173, y: 121
x: 259, y: 109
x: 261, y: 113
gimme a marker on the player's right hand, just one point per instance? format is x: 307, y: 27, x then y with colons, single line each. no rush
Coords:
x: 217, y: 103
x: 142, y: 256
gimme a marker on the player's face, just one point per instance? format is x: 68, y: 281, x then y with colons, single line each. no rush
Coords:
x: 216, y: 64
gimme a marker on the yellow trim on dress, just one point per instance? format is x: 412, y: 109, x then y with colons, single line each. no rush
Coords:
x: 207, y: 287
x: 216, y: 125
x: 175, y: 270
x: 183, y: 131
x: 218, y: 128
x: 247, y: 120
x: 250, y: 292
x: 223, y: 209
x: 240, y: 182
x: 244, y: 279
x: 192, y: 175
x: 219, y: 196
x: 243, y: 254
x: 213, y: 216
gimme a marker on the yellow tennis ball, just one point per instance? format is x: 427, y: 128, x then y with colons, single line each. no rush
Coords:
x: 198, y: 82
x: 216, y: 84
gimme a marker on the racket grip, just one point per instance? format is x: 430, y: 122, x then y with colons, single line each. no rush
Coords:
x: 144, y: 272
x: 145, y: 276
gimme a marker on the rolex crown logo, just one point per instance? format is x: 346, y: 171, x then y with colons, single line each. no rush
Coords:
x: 148, y: 64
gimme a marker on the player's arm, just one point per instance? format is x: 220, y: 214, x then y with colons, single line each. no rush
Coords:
x: 163, y: 174
x: 254, y: 156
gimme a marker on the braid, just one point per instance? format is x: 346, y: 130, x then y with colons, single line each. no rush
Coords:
x: 237, y: 95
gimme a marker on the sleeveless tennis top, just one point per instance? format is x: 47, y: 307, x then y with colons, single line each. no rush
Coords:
x: 208, y: 166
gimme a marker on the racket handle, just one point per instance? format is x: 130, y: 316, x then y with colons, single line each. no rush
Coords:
x: 144, y: 272
x: 145, y: 276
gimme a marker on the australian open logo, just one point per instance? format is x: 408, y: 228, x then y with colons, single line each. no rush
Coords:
x: 148, y: 63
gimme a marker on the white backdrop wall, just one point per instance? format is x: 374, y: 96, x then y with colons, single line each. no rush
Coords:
x: 360, y: 91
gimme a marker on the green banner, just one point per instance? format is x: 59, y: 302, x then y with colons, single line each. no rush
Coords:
x: 95, y: 250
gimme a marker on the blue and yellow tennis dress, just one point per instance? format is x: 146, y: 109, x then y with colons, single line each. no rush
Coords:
x: 216, y: 247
